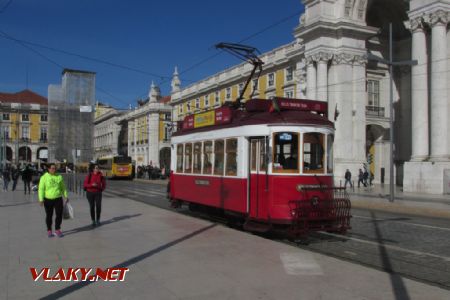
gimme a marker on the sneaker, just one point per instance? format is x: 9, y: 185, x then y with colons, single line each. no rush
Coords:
x: 94, y: 224
x: 98, y: 223
x: 59, y: 233
x: 50, y: 234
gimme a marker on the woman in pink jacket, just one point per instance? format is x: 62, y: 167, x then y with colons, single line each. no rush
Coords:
x: 94, y: 185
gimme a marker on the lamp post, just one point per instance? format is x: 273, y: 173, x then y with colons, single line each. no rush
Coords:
x: 391, y: 63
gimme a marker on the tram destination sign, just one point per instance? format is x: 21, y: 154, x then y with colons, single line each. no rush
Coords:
x: 218, y: 116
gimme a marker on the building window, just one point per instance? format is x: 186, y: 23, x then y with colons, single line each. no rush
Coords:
x: 289, y: 94
x: 25, y: 118
x: 373, y: 91
x: 44, y: 118
x: 240, y: 87
x: 206, y: 100
x: 271, y: 80
x: 188, y: 108
x: 43, y: 134
x: 5, y: 117
x: 217, y: 98
x: 25, y: 132
x: 228, y: 93
x: 6, y: 132
x: 180, y: 109
x: 289, y: 73
x: 197, y: 103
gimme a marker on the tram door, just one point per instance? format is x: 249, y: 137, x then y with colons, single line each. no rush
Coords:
x: 258, y: 177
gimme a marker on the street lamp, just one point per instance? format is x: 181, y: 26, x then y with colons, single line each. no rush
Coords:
x: 391, y: 63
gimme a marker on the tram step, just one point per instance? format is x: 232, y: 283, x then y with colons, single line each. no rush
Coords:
x: 256, y: 226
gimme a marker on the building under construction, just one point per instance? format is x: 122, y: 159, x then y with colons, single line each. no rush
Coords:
x: 71, y: 116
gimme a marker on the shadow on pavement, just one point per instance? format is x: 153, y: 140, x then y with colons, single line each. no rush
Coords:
x: 398, y: 286
x: 104, y: 223
x: 127, y: 263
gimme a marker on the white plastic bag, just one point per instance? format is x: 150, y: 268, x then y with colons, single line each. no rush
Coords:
x: 68, y: 211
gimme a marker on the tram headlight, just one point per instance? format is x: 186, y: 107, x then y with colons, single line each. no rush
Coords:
x: 315, y: 201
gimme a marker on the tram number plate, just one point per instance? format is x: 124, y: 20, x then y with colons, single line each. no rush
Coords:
x: 201, y: 182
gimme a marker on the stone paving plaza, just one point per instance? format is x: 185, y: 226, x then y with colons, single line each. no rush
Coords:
x: 172, y: 256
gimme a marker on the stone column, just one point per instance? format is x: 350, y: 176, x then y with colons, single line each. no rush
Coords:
x: 439, y: 102
x: 419, y: 96
x: 359, y: 108
x: 322, y: 59
x: 342, y: 93
x: 311, y: 79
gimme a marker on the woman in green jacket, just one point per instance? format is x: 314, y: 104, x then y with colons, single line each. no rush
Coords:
x: 51, y: 192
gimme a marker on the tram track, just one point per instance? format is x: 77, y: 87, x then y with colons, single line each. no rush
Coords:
x: 379, y: 253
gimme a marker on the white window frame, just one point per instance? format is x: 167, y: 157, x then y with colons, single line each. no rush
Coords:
x: 217, y: 97
x: 197, y: 103
x: 228, y: 93
x: 373, y: 91
x: 271, y: 80
x: 25, y: 132
x: 206, y: 100
x: 289, y: 74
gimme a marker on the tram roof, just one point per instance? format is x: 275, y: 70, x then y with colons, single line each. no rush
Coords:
x: 261, y: 111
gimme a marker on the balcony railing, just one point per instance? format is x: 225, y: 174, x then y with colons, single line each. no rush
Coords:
x: 375, y: 111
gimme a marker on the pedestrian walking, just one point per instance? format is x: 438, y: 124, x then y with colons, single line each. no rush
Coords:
x: 15, y: 173
x: 27, y: 176
x: 365, y: 177
x: 6, y: 173
x: 94, y: 185
x: 361, y: 178
x: 348, y: 178
x: 51, y: 192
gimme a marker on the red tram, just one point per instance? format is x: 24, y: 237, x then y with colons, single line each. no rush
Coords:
x: 268, y: 164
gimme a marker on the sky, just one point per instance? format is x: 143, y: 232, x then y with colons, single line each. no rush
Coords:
x: 137, y: 41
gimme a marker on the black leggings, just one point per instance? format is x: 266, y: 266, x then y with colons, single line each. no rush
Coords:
x: 27, y: 185
x: 95, y: 203
x: 57, y: 205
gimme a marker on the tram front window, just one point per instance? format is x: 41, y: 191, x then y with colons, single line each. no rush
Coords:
x: 285, y: 158
x: 313, y: 152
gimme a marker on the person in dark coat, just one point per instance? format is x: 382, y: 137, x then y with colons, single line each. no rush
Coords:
x: 27, y: 176
x: 15, y: 173
x: 348, y: 178
x: 6, y: 177
x: 361, y: 178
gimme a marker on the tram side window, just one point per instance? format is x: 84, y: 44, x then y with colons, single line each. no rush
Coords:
x: 180, y: 158
x: 188, y: 158
x: 197, y: 158
x: 231, y: 148
x: 207, y: 157
x: 285, y: 152
x: 313, y: 152
x: 218, y: 157
x: 330, y: 140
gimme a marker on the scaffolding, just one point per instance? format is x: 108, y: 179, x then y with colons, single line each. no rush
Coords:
x: 71, y: 117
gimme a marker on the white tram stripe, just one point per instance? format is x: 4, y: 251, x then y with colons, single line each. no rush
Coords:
x: 138, y: 192
x: 405, y: 223
x: 387, y: 246
x: 300, y: 263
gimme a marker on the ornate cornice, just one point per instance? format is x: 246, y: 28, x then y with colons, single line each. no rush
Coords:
x: 360, y: 60
x: 439, y: 17
x: 343, y: 59
x: 322, y: 56
x: 309, y: 60
x: 416, y: 24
